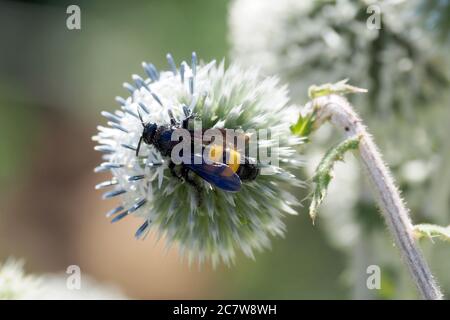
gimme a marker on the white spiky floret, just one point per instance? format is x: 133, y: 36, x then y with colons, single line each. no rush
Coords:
x: 221, y: 97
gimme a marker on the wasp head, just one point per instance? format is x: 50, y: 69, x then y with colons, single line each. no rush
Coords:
x: 148, y: 133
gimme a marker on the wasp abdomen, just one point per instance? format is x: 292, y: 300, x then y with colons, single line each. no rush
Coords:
x: 248, y: 171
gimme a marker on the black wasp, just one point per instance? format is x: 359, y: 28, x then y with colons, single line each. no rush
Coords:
x: 224, y: 176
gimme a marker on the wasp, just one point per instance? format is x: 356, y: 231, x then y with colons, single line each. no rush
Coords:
x: 216, y: 171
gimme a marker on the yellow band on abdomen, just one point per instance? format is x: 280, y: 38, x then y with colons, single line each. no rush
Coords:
x: 233, y: 157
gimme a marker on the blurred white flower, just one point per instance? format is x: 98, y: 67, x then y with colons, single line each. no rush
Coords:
x: 54, y: 287
x: 415, y: 171
x: 314, y: 42
x: 230, y: 98
x: 16, y: 285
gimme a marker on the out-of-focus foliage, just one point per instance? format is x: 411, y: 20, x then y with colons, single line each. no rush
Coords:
x: 436, y: 16
x: 313, y: 42
x: 405, y: 67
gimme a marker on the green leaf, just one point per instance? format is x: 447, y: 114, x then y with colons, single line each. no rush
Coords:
x: 304, y: 125
x: 432, y: 231
x: 323, y: 174
x: 340, y: 87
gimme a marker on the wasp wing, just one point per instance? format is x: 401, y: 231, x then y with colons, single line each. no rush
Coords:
x: 218, y: 174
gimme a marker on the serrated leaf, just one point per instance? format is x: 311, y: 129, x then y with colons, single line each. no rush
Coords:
x: 323, y: 175
x: 304, y: 125
x: 432, y: 231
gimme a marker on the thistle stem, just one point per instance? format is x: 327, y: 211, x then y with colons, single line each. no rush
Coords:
x: 339, y: 112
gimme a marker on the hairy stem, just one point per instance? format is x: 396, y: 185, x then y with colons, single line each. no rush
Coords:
x: 339, y: 112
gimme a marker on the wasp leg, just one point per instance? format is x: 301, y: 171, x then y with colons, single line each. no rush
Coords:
x: 185, y: 122
x: 173, y: 171
x: 173, y: 122
x: 192, y: 182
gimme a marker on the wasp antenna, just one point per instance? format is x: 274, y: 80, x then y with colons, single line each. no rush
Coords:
x: 140, y: 115
x: 139, y: 146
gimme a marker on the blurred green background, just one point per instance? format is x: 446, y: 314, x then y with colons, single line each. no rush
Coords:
x: 53, y: 84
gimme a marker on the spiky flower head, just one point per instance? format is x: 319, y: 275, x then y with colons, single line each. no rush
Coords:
x: 220, y: 98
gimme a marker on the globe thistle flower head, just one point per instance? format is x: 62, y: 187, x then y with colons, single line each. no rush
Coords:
x: 220, y: 98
